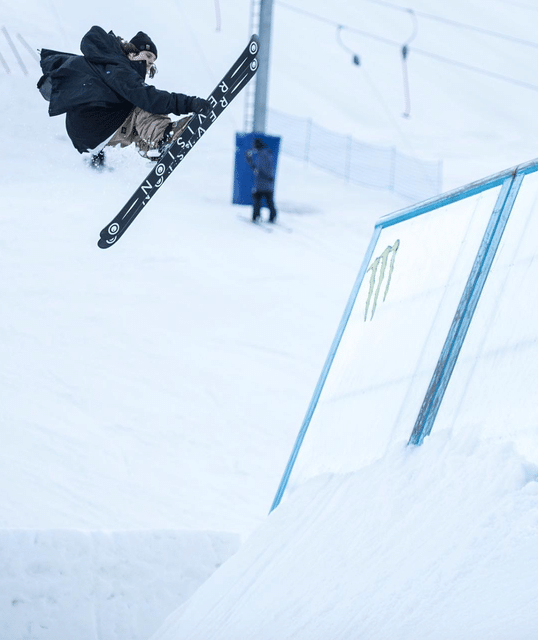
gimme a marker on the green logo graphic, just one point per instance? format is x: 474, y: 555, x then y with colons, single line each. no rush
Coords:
x: 378, y: 270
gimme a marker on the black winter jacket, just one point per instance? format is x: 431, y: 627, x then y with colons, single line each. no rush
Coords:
x: 99, y: 89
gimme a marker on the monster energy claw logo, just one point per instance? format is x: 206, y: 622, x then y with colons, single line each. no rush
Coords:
x: 380, y: 265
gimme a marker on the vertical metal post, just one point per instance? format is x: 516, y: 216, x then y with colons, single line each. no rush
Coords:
x: 262, y: 75
x: 250, y: 89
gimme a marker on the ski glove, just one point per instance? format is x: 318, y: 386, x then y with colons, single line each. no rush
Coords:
x: 199, y: 105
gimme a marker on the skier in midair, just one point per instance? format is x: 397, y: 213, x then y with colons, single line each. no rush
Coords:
x: 106, y: 99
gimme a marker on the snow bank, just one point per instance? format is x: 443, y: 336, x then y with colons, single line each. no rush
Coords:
x: 100, y: 585
x: 437, y: 542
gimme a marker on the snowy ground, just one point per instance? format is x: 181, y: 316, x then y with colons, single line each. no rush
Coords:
x: 440, y: 545
x: 160, y: 385
x: 109, y: 585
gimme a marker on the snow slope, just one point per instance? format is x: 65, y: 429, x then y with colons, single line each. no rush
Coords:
x: 160, y: 385
x: 434, y: 543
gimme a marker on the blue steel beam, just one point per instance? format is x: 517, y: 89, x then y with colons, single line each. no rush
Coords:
x: 466, y: 308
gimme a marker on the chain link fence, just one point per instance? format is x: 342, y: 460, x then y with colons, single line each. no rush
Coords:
x: 369, y: 165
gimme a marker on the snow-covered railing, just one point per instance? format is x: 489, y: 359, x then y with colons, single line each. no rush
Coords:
x: 354, y: 161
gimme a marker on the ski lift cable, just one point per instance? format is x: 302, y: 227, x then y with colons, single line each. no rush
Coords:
x: 456, y: 23
x: 406, y: 141
x: 484, y: 72
x: 379, y: 96
x: 520, y: 5
x: 334, y: 23
x: 422, y: 52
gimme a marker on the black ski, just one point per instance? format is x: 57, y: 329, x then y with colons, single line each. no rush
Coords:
x: 233, y: 82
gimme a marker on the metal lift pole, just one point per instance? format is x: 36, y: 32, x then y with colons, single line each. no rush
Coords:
x: 262, y: 75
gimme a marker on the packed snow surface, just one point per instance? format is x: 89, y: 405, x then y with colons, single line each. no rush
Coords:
x: 151, y: 393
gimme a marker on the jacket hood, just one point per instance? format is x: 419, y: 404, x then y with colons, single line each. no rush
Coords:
x: 101, y: 47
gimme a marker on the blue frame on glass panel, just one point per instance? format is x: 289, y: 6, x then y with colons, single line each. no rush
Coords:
x: 469, y: 301
x: 465, y: 311
x: 325, y: 371
x: 510, y: 180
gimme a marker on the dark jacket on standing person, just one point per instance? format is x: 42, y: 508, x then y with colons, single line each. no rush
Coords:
x: 99, y: 89
x: 261, y: 161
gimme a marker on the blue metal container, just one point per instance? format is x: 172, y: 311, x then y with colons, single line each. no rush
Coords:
x: 243, y: 174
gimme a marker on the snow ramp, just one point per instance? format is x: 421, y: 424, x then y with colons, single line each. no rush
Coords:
x: 409, y: 506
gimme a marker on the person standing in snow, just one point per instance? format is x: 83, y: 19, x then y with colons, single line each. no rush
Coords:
x: 261, y: 162
x: 106, y: 99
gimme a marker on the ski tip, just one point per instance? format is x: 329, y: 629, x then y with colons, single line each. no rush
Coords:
x: 104, y: 243
x: 254, y: 44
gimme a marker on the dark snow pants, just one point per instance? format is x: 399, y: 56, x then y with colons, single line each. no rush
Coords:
x: 257, y: 197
